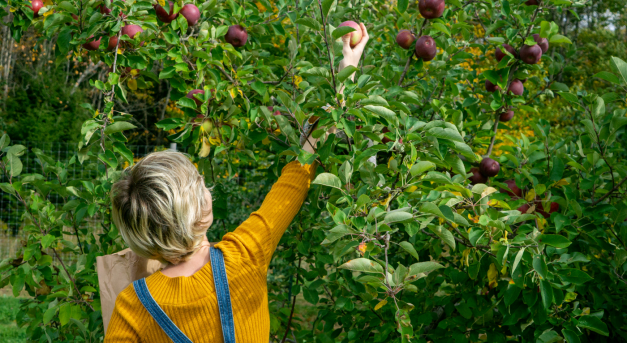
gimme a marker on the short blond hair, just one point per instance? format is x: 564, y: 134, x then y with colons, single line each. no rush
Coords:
x: 158, y: 206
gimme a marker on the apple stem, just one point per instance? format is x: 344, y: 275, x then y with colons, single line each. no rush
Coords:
x: 324, y: 30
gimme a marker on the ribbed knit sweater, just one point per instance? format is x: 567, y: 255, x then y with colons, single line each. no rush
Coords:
x: 191, y: 301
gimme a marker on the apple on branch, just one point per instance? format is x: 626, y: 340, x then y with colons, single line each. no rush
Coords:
x: 163, y: 15
x: 426, y: 48
x: 191, y: 13
x: 405, y: 39
x: 35, y: 6
x: 236, y: 36
x: 431, y: 9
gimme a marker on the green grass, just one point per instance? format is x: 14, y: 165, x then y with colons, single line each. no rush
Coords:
x: 9, y: 332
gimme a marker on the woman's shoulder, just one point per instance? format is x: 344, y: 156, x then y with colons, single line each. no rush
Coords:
x: 127, y: 298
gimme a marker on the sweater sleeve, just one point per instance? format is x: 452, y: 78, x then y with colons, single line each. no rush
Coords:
x: 124, y: 325
x: 257, y: 237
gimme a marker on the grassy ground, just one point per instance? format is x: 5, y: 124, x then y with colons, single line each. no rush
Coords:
x: 9, y: 332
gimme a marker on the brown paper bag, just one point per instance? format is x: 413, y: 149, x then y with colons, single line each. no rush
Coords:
x: 116, y: 272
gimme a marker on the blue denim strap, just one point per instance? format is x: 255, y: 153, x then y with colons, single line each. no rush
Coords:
x: 224, y: 296
x: 175, y: 334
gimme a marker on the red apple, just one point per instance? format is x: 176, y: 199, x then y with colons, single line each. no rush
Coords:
x: 236, y: 36
x: 191, y: 13
x: 104, y: 10
x: 93, y: 44
x: 491, y: 87
x: 524, y: 208
x: 513, y: 190
x: 131, y: 30
x: 163, y: 15
x: 405, y: 39
x: 531, y: 54
x: 35, y: 6
x: 431, y: 9
x: 426, y: 48
x: 532, y: 2
x: 355, y: 35
x: 113, y: 41
x: 191, y: 96
x: 476, y: 176
x: 499, y: 54
x: 489, y: 167
x: 543, y: 43
x: 516, y: 87
x: 506, y: 116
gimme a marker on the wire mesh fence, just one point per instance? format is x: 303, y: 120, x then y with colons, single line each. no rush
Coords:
x: 248, y: 185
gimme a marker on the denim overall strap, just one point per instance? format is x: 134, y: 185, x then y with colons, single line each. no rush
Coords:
x: 224, y: 296
x: 175, y: 334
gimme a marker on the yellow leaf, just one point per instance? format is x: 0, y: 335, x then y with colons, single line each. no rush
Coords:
x: 411, y: 189
x: 380, y: 304
x: 132, y: 84
x: 206, y: 148
x: 586, y: 311
x: 492, y: 273
x: 265, y: 141
x: 561, y: 182
x: 120, y: 51
x: 530, y: 195
x: 162, y: 2
x: 134, y: 72
x: 570, y: 296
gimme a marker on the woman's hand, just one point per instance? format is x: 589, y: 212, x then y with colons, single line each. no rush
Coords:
x: 353, y: 55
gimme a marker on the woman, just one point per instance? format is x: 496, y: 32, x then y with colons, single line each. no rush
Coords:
x: 163, y: 210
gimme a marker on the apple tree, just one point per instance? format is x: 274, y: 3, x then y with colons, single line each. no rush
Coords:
x: 431, y: 219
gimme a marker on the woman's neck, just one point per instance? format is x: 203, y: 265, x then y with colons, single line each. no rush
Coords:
x: 191, y: 266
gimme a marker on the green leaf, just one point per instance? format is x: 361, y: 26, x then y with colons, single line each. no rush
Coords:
x: 341, y: 31
x: 4, y: 141
x: 65, y: 313
x: 346, y: 72
x: 310, y: 23
x: 394, y: 217
x: 118, y: 126
x: 423, y: 267
x: 421, y: 167
x: 607, y: 76
x: 49, y: 314
x: 47, y: 240
x: 328, y: 179
x: 620, y: 66
x: 540, y: 266
x: 402, y: 5
x: 593, y: 323
x: 286, y: 128
x: 326, y: 7
x: 259, y: 87
x: 431, y: 208
x: 547, y: 293
x: 445, y: 133
x: 441, y: 27
x: 559, y: 39
x: 16, y: 165
x: 517, y: 259
x: 120, y: 148
x: 445, y: 235
x: 6, y: 187
x: 409, y: 248
x: 109, y: 158
x: 554, y: 240
x: 386, y: 113
x: 574, y: 276
x: 570, y: 336
x: 362, y: 265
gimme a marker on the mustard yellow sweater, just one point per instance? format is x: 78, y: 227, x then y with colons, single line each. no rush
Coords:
x: 191, y: 301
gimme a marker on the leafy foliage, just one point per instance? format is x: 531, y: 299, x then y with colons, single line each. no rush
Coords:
x: 402, y: 250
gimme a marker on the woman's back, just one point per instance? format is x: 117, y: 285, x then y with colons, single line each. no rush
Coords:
x: 191, y: 301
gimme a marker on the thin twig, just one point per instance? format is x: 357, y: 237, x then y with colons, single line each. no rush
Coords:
x: 324, y: 32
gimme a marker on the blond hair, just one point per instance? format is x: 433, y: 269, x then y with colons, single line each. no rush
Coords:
x: 158, y: 207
